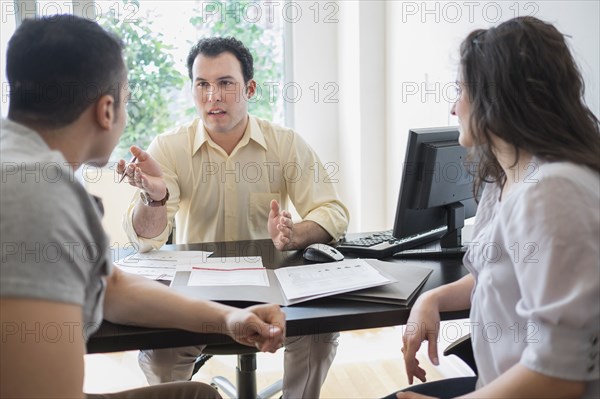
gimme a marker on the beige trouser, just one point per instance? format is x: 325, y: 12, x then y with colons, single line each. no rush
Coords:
x: 306, y: 362
x: 174, y: 390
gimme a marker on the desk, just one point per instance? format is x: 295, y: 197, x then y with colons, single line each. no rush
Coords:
x: 313, y: 317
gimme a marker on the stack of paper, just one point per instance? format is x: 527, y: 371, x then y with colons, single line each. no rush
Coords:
x: 161, y: 265
x: 301, y: 283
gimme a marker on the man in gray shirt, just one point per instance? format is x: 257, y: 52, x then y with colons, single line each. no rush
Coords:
x: 56, y: 280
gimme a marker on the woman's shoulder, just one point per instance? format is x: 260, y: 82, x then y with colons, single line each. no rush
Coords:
x: 563, y: 178
x: 556, y: 188
x: 560, y: 203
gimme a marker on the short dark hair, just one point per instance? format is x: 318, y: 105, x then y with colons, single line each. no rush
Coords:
x: 214, y: 46
x: 525, y: 88
x: 57, y: 66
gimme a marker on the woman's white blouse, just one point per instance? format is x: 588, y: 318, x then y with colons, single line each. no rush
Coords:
x: 536, y: 261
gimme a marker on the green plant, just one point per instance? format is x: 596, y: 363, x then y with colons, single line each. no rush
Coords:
x: 152, y: 77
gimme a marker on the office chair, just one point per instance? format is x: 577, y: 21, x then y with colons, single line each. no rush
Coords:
x: 464, y: 350
x: 451, y: 387
x: 245, y: 372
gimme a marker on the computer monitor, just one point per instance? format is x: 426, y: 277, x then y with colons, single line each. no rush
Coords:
x: 436, y: 192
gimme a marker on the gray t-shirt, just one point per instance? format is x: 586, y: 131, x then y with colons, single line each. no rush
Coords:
x: 536, y: 262
x: 53, y: 245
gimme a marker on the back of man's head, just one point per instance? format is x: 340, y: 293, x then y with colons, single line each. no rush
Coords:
x: 215, y: 46
x: 58, y: 66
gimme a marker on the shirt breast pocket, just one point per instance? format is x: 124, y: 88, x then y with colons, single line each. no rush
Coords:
x: 258, y: 213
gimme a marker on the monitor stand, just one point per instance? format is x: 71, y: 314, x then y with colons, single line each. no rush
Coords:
x: 450, y: 243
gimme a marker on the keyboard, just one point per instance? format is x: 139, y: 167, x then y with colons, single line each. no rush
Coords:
x: 439, y: 253
x: 383, y: 244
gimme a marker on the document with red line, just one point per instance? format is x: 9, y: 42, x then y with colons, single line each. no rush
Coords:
x: 229, y: 271
x: 236, y: 279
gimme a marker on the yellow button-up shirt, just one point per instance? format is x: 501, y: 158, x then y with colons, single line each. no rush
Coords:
x: 220, y: 197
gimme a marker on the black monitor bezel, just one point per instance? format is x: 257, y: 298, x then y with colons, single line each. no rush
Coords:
x: 408, y: 221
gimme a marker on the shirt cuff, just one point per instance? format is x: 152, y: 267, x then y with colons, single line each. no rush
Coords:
x: 330, y: 218
x: 143, y: 244
x: 562, y: 351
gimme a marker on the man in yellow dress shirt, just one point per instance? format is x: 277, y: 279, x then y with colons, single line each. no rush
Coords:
x: 227, y: 176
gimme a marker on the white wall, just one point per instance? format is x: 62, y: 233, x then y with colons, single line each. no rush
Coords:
x: 361, y: 53
x: 395, y: 62
x: 315, y: 73
x: 422, y: 52
x: 116, y: 197
x: 344, y: 47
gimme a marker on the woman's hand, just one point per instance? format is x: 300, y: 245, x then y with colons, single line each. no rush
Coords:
x: 423, y: 325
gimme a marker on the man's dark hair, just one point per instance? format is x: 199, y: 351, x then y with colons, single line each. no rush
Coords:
x: 58, y: 66
x: 214, y: 46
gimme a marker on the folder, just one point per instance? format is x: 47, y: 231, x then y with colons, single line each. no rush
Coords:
x: 409, y: 281
x: 274, y: 292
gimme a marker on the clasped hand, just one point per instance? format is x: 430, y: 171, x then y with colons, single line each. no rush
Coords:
x: 261, y: 326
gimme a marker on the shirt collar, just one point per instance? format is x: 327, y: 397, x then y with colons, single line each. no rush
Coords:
x: 253, y: 132
x: 256, y: 133
x: 24, y: 132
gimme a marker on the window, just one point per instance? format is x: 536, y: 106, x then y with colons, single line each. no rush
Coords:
x: 158, y: 36
x: 7, y: 27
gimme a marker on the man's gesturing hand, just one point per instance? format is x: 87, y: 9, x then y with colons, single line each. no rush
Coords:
x: 281, y: 227
x: 144, y: 173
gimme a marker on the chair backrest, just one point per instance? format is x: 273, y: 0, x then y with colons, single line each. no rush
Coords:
x: 464, y: 350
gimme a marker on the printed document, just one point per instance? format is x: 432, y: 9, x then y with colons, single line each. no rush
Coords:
x: 222, y: 280
x: 229, y: 271
x: 324, y: 279
x: 161, y: 265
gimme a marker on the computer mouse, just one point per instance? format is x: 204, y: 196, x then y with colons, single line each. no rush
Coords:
x: 322, y: 253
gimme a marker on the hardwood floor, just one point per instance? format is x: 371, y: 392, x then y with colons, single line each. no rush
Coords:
x: 368, y: 365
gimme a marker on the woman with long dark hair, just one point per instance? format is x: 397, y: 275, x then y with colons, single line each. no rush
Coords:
x: 535, y: 262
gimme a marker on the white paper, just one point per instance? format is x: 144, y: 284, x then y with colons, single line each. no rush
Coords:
x: 229, y: 271
x: 325, y: 279
x: 153, y: 273
x: 161, y: 265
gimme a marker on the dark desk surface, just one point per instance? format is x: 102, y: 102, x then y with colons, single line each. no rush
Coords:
x: 317, y: 316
